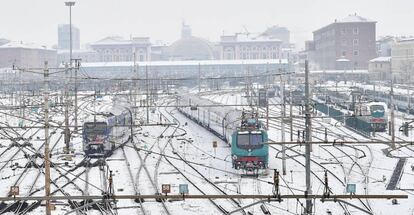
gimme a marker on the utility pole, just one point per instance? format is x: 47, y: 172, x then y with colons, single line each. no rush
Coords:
x: 47, y: 157
x: 147, y: 96
x: 199, y: 77
x: 291, y: 112
x: 307, y: 142
x: 392, y: 127
x: 67, y: 131
x: 70, y: 4
x: 135, y: 83
x: 282, y: 124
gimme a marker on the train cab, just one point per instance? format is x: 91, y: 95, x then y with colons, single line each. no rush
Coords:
x: 95, y: 137
x: 249, y: 146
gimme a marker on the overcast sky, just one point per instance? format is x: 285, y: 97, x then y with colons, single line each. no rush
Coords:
x: 37, y: 20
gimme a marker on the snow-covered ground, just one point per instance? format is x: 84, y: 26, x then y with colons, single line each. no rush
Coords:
x: 182, y: 153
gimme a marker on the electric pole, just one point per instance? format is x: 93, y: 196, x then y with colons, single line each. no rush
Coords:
x: 46, y: 156
x: 392, y: 126
x: 282, y: 124
x: 70, y: 4
x: 307, y: 142
x: 135, y: 85
x: 147, y: 96
x: 199, y: 77
x: 67, y: 131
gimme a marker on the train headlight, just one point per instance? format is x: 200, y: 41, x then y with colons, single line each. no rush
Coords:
x: 234, y: 157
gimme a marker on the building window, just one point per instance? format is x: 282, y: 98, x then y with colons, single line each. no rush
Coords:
x: 344, y: 42
x: 356, y: 31
x: 356, y: 52
x: 355, y: 42
x: 343, y: 53
x: 343, y: 31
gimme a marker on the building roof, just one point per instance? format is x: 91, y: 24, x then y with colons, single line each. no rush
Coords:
x: 353, y: 18
x: 191, y: 48
x: 76, y: 51
x: 3, y: 41
x: 186, y: 63
x: 381, y: 59
x: 406, y: 39
x: 22, y: 45
x: 117, y: 40
x: 248, y: 37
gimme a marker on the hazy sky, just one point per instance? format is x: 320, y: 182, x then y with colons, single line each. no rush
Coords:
x: 37, y: 20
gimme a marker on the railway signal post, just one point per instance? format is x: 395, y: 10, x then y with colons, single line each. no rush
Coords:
x: 307, y: 142
x: 46, y: 156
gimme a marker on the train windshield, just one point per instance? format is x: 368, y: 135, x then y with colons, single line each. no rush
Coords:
x: 246, y: 139
x: 375, y: 108
x: 94, y: 127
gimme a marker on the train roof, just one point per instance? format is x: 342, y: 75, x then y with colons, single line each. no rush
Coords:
x: 106, y: 109
x: 230, y: 113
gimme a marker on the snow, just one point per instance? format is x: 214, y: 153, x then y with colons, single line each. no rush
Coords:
x: 186, y: 63
x: 366, y: 165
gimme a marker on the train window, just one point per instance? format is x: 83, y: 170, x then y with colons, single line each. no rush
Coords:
x: 255, y: 139
x: 243, y: 139
x: 374, y: 108
x: 94, y: 127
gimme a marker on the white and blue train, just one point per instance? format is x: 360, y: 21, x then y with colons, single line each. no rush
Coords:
x: 240, y: 129
x: 105, y: 129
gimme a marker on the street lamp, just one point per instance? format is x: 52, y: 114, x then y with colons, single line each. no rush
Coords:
x: 70, y: 4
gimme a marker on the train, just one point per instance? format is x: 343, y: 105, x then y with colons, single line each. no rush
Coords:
x: 105, y: 128
x: 240, y: 129
x: 353, y: 108
x: 402, y: 100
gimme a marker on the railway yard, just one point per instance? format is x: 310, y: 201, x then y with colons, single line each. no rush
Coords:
x: 173, y: 150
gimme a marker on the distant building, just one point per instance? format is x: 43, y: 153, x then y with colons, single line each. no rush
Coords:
x: 64, y: 37
x: 3, y: 41
x: 384, y: 45
x: 85, y: 55
x: 351, y: 38
x: 277, y: 32
x: 380, y: 68
x: 249, y: 46
x: 189, y: 47
x: 116, y: 49
x: 26, y: 55
x: 185, y: 68
x: 402, y: 54
x: 307, y: 54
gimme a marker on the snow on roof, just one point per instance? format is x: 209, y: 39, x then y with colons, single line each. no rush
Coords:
x: 186, y: 63
x: 353, y: 18
x: 342, y: 60
x: 407, y: 39
x: 21, y: 44
x: 64, y: 51
x: 116, y: 40
x: 381, y: 59
x: 248, y: 37
x: 361, y: 71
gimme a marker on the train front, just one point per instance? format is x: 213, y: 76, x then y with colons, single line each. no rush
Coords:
x: 378, y: 116
x: 95, y: 138
x: 249, y: 147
